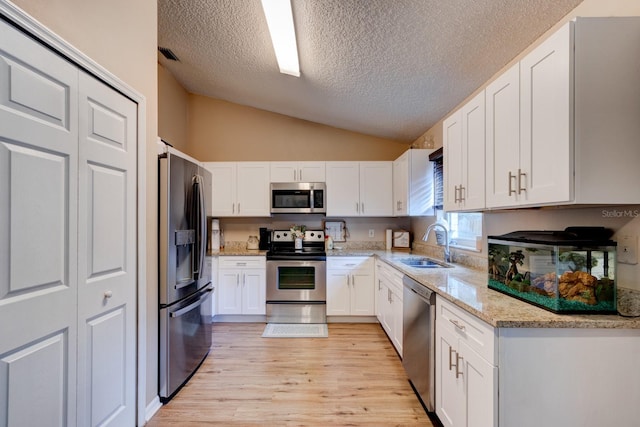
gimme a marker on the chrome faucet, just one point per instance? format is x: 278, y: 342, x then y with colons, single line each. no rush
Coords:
x: 447, y: 255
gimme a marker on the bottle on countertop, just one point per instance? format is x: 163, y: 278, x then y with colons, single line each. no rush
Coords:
x: 221, y: 239
x: 328, y: 243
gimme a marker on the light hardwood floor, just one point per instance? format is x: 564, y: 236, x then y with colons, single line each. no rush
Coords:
x: 352, y: 378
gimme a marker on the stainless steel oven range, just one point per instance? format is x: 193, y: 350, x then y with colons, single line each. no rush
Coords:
x: 296, y: 279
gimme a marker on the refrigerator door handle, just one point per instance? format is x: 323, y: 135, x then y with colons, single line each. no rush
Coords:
x: 201, y: 224
x: 203, y: 296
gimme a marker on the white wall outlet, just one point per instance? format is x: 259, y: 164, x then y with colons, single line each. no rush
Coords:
x: 372, y: 232
x: 628, y: 249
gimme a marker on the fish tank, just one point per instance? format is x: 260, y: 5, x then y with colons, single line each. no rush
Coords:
x: 569, y: 271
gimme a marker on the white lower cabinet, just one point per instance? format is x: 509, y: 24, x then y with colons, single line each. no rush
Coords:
x: 242, y: 285
x: 466, y: 371
x: 389, y: 302
x: 350, y: 286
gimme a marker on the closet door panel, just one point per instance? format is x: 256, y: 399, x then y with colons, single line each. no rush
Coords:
x: 107, y: 256
x: 38, y: 232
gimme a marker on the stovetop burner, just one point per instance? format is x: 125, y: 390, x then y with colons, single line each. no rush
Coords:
x: 283, y: 245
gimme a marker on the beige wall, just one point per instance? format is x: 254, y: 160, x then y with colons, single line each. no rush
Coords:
x: 496, y: 223
x: 121, y: 36
x: 223, y: 131
x: 173, y: 110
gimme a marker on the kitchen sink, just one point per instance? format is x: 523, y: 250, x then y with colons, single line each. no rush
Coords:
x: 422, y: 263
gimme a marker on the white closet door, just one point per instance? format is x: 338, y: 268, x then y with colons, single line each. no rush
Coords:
x: 106, y: 256
x: 38, y: 234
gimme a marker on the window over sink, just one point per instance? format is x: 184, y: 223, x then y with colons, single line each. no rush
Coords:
x: 464, y: 229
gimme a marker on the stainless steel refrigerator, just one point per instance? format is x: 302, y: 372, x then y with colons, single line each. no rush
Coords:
x: 185, y: 277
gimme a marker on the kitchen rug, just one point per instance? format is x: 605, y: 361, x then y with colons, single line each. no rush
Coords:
x: 295, y: 330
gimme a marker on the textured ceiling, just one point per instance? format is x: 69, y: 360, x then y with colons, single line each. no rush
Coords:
x: 389, y: 68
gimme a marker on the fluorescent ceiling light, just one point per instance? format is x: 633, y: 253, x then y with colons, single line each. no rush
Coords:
x: 283, y: 35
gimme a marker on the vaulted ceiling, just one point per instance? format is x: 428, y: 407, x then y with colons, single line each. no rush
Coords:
x: 389, y: 68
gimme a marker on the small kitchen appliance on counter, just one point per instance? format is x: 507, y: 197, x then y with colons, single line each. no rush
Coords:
x: 252, y: 243
x: 570, y: 271
x: 265, y: 239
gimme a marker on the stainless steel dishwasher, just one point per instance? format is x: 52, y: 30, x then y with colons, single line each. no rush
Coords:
x: 418, y: 333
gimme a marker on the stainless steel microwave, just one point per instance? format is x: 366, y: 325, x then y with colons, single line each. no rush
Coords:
x: 298, y: 197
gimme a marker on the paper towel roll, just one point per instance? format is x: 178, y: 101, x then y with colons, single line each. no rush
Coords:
x: 389, y: 238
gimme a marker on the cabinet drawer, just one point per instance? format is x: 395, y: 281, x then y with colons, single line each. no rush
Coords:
x: 390, y: 275
x: 242, y: 262
x: 349, y: 263
x: 475, y: 333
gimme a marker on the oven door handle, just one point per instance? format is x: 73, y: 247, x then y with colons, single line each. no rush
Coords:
x: 203, y: 296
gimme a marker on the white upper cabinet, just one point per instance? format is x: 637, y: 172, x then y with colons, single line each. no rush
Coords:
x: 464, y: 150
x: 359, y: 188
x: 239, y: 189
x: 376, y: 188
x: 298, y: 172
x: 503, y: 138
x: 343, y: 189
x: 562, y: 124
x: 546, y: 145
x: 413, y: 191
x: 528, y: 139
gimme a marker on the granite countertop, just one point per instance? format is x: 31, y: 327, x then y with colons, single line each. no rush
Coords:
x: 468, y: 289
x: 237, y: 251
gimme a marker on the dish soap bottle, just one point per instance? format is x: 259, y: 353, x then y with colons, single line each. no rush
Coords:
x: 328, y: 243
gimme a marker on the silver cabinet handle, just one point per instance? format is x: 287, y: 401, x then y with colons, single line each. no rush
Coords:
x: 457, y: 324
x: 451, y: 364
x: 294, y: 175
x: 241, y: 264
x: 357, y: 207
x: 300, y: 174
x: 456, y: 199
x: 238, y: 279
x: 238, y: 208
x: 462, y: 193
x: 233, y: 208
x: 510, y: 188
x: 108, y: 294
x: 458, y: 359
x: 520, y: 175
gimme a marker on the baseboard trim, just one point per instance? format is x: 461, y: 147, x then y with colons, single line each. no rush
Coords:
x: 239, y: 318
x: 352, y: 319
x: 151, y: 409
